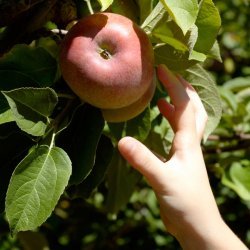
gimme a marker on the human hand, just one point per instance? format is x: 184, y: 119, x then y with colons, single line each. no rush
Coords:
x: 181, y: 184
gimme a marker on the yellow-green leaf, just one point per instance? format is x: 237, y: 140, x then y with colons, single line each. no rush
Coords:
x: 105, y: 4
x: 36, y: 186
x: 184, y: 13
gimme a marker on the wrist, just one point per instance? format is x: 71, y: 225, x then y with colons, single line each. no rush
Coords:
x: 212, y: 236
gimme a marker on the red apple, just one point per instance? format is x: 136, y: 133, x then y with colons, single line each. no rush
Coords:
x: 132, y: 110
x: 107, y: 60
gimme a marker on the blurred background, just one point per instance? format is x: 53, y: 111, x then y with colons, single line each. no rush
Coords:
x: 78, y: 224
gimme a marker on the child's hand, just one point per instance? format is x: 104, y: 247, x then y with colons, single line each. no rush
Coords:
x: 187, y: 205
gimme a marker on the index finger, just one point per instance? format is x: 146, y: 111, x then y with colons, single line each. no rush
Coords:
x: 173, y: 86
x: 181, y: 115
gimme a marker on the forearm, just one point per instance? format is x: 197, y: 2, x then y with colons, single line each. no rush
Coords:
x: 218, y: 237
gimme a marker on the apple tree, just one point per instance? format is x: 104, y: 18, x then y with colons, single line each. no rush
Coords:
x: 53, y: 144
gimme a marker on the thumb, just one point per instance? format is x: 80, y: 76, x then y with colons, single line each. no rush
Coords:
x: 142, y: 159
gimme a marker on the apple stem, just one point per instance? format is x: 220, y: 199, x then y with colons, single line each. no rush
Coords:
x: 89, y: 6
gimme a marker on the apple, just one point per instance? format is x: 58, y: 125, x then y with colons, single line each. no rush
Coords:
x: 132, y: 110
x: 107, y: 60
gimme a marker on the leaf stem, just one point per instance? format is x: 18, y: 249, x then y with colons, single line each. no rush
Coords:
x: 89, y: 6
x: 53, y: 129
x: 52, y: 143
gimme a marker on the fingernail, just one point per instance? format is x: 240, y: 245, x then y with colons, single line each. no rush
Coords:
x: 185, y: 82
x: 161, y: 100
x: 168, y: 73
x: 163, y: 67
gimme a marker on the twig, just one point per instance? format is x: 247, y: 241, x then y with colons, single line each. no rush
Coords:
x: 241, y: 137
x: 242, y: 145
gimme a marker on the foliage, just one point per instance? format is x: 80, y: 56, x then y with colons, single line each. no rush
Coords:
x: 61, y: 170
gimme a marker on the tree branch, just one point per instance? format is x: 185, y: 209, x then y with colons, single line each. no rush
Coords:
x: 236, y: 142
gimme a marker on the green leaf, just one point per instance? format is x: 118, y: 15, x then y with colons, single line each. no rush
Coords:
x: 155, y: 143
x: 191, y: 37
x: 214, y: 52
x: 34, y: 63
x: 238, y: 179
x: 29, y: 114
x: 169, y: 33
x: 104, y: 154
x: 208, y: 23
x: 50, y: 45
x: 197, y: 56
x: 121, y: 180
x: 175, y: 60
x: 140, y: 126
x: 116, y: 130
x: 6, y: 117
x: 80, y: 140
x: 237, y: 83
x: 181, y: 46
x: 36, y: 186
x: 229, y: 97
x: 160, y: 137
x: 208, y: 92
x: 154, y: 18
x: 105, y: 4
x: 137, y: 127
x: 184, y: 13
x: 243, y: 95
x: 185, y: 46
x: 166, y: 32
x: 33, y: 98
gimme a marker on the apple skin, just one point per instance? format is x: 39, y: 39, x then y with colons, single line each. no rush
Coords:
x: 107, y: 60
x: 132, y: 110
